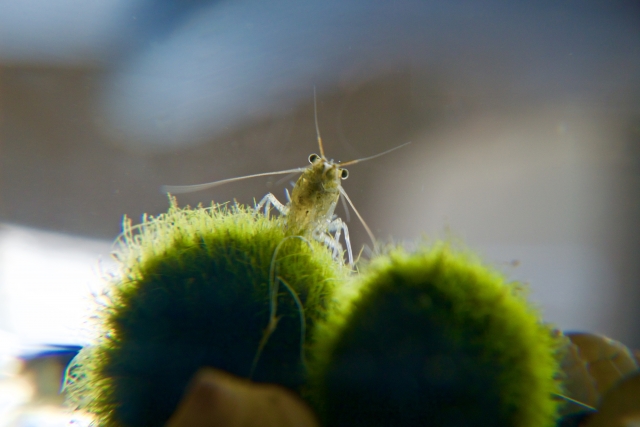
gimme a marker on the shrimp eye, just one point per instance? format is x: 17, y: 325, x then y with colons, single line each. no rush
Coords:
x: 313, y: 158
x: 344, y: 174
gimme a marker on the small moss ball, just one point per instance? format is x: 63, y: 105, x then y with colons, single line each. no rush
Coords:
x: 435, y: 338
x: 199, y: 287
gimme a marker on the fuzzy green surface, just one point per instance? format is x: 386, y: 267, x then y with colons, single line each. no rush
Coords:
x: 194, y: 291
x: 435, y: 338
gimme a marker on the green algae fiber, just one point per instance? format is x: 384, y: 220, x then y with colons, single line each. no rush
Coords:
x: 220, y: 287
x: 434, y: 338
x: 429, y: 338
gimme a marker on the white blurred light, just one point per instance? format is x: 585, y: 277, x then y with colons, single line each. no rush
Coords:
x: 46, y: 283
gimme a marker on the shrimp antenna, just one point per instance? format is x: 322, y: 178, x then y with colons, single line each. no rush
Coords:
x: 315, y: 115
x: 177, y: 189
x: 353, y: 162
x: 366, y: 227
x: 575, y: 402
x: 346, y: 209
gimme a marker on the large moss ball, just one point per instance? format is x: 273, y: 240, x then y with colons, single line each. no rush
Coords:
x: 220, y: 287
x: 435, y: 338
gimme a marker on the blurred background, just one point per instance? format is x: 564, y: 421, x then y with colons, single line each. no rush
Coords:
x: 524, y: 120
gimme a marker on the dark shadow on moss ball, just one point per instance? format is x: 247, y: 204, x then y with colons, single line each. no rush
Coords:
x: 402, y: 365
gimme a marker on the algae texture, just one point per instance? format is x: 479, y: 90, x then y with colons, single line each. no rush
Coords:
x: 435, y: 338
x: 196, y: 289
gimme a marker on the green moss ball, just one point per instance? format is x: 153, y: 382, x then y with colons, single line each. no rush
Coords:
x: 435, y: 338
x: 195, y: 290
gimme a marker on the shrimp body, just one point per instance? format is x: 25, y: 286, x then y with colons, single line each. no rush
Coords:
x: 314, y: 197
x: 311, y: 206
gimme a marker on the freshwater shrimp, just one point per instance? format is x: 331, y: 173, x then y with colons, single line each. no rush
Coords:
x: 309, y: 211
